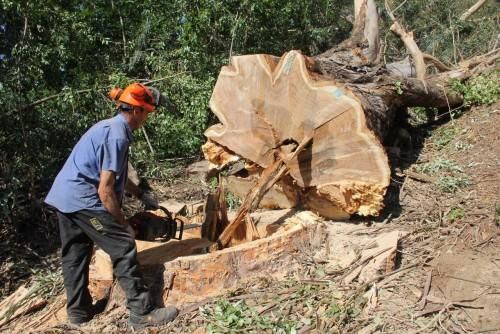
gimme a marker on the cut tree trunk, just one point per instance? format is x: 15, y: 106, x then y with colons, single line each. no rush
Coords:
x: 179, y: 274
x: 271, y: 102
x: 264, y: 103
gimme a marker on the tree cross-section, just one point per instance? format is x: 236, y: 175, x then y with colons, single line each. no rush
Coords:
x: 262, y: 102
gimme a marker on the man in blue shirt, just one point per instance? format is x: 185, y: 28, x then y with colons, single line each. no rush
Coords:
x: 87, y: 194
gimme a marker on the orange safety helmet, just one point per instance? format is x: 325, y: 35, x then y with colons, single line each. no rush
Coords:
x: 137, y: 95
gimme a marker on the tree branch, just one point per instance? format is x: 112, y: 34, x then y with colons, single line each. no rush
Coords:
x: 472, y: 10
x: 51, y: 97
x: 366, y: 27
x: 436, y: 62
x: 123, y: 29
x: 411, y: 45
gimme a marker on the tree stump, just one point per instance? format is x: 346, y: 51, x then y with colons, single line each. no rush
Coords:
x: 178, y: 274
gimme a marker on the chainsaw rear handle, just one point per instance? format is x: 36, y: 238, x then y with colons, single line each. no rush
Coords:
x: 166, y: 212
x: 175, y: 227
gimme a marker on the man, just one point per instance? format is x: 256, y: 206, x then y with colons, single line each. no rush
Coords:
x: 87, y: 194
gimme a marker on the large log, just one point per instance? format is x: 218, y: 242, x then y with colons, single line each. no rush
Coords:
x: 262, y: 103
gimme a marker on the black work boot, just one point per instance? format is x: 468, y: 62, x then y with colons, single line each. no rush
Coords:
x: 157, y: 317
x: 80, y: 319
x: 74, y: 322
x: 97, y: 308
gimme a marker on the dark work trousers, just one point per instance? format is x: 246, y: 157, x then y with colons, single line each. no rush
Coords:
x: 79, y: 231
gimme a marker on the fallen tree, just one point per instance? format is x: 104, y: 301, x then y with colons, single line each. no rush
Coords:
x: 346, y: 99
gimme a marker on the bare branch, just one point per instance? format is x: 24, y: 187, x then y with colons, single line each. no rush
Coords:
x: 233, y: 33
x: 366, y: 18
x: 472, y: 10
x: 411, y: 45
x: 123, y: 29
x: 51, y: 97
x: 436, y: 62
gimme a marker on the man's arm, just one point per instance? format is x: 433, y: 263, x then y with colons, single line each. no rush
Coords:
x: 108, y: 198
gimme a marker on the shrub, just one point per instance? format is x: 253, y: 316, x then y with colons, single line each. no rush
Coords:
x: 483, y: 89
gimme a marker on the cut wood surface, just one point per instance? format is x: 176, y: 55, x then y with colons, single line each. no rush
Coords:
x: 262, y: 102
x: 208, y: 275
x: 282, y: 196
x: 270, y: 176
x: 215, y: 214
x: 242, y: 227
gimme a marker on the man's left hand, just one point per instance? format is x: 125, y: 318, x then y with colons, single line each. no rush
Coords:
x: 149, y: 200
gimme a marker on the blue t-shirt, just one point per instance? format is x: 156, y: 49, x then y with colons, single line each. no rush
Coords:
x: 103, y: 147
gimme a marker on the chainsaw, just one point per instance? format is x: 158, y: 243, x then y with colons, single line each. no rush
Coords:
x: 158, y: 225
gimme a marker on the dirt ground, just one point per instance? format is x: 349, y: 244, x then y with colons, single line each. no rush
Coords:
x: 445, y: 196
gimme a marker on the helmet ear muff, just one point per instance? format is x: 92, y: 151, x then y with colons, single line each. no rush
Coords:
x: 156, y: 95
x: 115, y: 93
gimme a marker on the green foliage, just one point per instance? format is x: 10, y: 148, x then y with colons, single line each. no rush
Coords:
x: 455, y: 214
x: 444, y: 136
x: 462, y: 146
x: 213, y: 182
x: 439, y: 165
x: 418, y: 115
x: 399, y: 89
x: 451, y: 184
x: 227, y: 317
x: 483, y: 89
x: 451, y: 178
x: 232, y: 201
x: 341, y: 314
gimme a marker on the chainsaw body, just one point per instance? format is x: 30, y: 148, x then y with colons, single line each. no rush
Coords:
x: 156, y: 225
